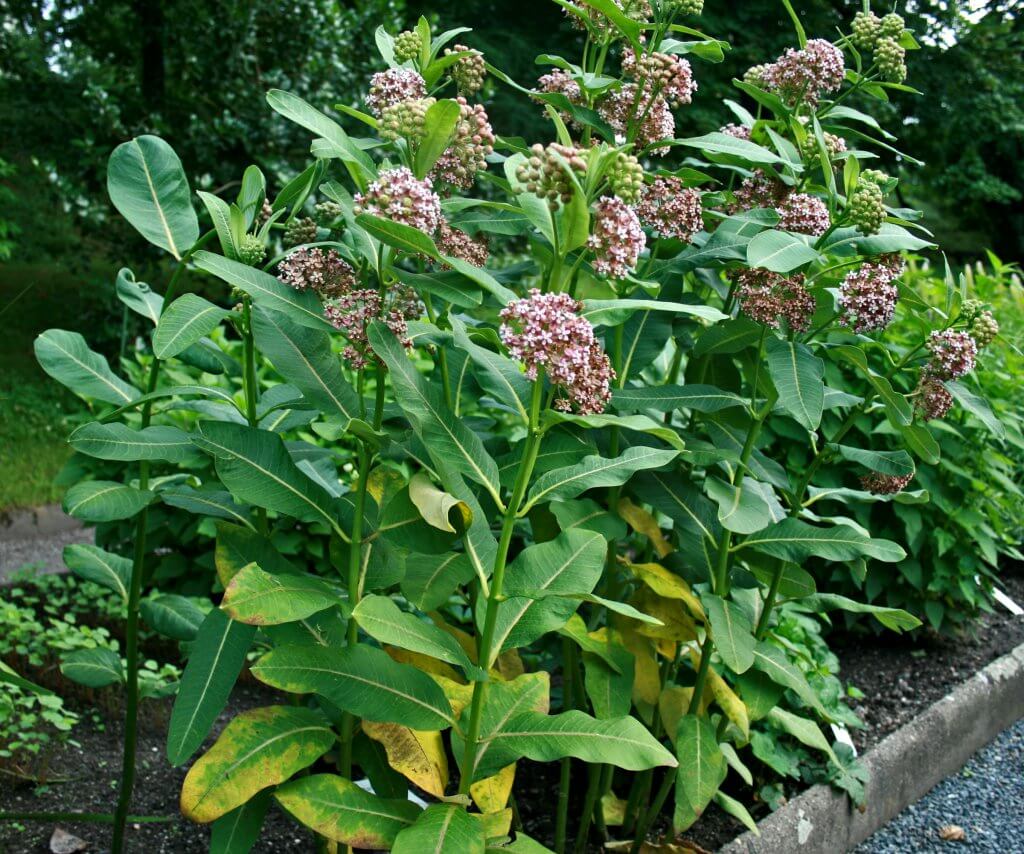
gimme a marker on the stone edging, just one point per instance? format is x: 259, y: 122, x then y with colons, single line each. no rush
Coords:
x: 35, y: 522
x: 904, y: 767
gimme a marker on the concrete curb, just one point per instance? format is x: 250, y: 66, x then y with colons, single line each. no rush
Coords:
x: 904, y: 767
x: 35, y: 522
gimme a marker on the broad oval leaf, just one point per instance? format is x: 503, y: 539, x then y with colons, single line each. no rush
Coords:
x: 799, y: 379
x: 732, y: 632
x: 184, y: 322
x: 701, y: 769
x: 257, y: 749
x: 116, y: 441
x: 795, y: 540
x: 779, y: 251
x: 173, y: 616
x: 258, y: 598
x: 104, y: 501
x: 94, y: 668
x: 147, y: 185
x: 443, y: 829
x: 107, y: 569
x: 669, y: 398
x: 67, y: 358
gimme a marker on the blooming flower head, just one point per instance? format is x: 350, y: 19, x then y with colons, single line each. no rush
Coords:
x: 400, y: 196
x: 661, y: 74
x: 671, y: 209
x: 868, y: 294
x: 458, y: 244
x: 467, y: 153
x: 633, y: 104
x: 326, y: 273
x: 545, y: 332
x: 617, y: 238
x: 354, y: 311
x: 885, y: 484
x: 392, y: 87
x: 804, y: 75
x: 953, y: 353
x: 758, y: 191
x: 770, y: 298
x: 804, y: 213
x: 932, y: 398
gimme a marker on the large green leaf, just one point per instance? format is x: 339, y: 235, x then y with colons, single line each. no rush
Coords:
x: 595, y: 471
x: 67, y: 358
x: 623, y: 742
x: 722, y: 143
x: 184, y: 322
x: 101, y: 567
x: 104, y: 500
x: 604, y: 420
x: 237, y: 831
x: 443, y: 829
x: 795, y: 540
x: 887, y: 462
x: 701, y: 769
x: 894, y: 619
x: 257, y: 749
x: 570, y: 564
x: 340, y: 810
x: 301, y: 306
x: 448, y: 439
x: 213, y: 666
x: 977, y: 406
x: 173, y: 616
x: 779, y: 251
x: 497, y: 374
x: 732, y: 632
x: 438, y: 127
x: 259, y: 598
x: 94, y: 668
x: 430, y: 579
x: 799, y: 379
x: 742, y: 509
x: 381, y: 619
x: 613, y: 312
x: 772, y: 661
x: 364, y: 680
x: 304, y: 357
x: 148, y: 187
x: 256, y: 466
x: 669, y: 398
x: 207, y: 502
x: 116, y: 441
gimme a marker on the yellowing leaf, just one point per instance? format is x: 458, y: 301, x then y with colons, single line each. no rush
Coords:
x: 417, y: 755
x: 383, y: 483
x: 424, y: 662
x: 646, y: 677
x: 666, y: 583
x: 509, y: 665
x: 497, y: 824
x: 673, y: 703
x: 491, y: 793
x: 614, y: 809
x: 677, y: 624
x: 459, y: 695
x: 436, y: 506
x: 644, y: 523
x: 727, y: 699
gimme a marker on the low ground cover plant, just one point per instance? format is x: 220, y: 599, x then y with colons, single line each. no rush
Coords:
x: 569, y: 505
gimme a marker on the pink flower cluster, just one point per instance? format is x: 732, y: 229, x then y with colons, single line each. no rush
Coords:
x: 662, y: 75
x: 932, y: 398
x: 545, y: 332
x: 327, y: 273
x: 885, y: 484
x: 953, y: 354
x: 560, y: 82
x: 629, y: 104
x: 804, y: 75
x: 468, y: 151
x: 458, y: 244
x: 392, y: 87
x: 804, y: 214
x: 400, y: 196
x: 868, y: 294
x: 769, y: 297
x: 735, y: 130
x: 616, y: 238
x: 671, y: 209
x: 758, y: 191
x: 353, y: 312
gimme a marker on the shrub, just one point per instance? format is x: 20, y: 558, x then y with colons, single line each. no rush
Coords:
x: 614, y: 447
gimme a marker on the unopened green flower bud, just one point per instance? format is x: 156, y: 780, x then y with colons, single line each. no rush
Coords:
x: 327, y: 213
x: 754, y: 76
x: 685, y: 7
x: 468, y: 72
x: 865, y: 30
x: 300, y: 231
x: 407, y: 45
x: 875, y: 176
x: 890, y: 56
x: 626, y: 177
x: 252, y: 251
x: 984, y: 328
x: 867, y: 207
x: 891, y: 26
x: 970, y: 309
x: 545, y: 175
x: 406, y: 119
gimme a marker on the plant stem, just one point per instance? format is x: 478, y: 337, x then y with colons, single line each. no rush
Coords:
x: 589, y: 802
x: 494, y: 595
x: 251, y: 388
x: 652, y: 812
x: 562, y: 813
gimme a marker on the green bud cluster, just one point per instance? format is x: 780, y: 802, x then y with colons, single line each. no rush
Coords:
x: 626, y: 177
x: 866, y: 27
x: 685, y: 7
x: 833, y: 145
x: 984, y: 328
x: 328, y: 212
x: 875, y: 176
x: 469, y: 71
x: 408, y: 45
x: 406, y: 119
x: 544, y: 172
x: 252, y: 251
x: 890, y: 58
x: 970, y: 309
x: 867, y: 207
x: 891, y: 26
x: 754, y: 76
x: 300, y: 231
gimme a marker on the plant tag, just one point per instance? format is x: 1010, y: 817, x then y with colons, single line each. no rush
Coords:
x: 842, y: 735
x: 1007, y: 602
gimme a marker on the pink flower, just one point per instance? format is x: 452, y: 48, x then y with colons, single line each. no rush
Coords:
x: 804, y: 213
x: 617, y: 238
x: 628, y: 105
x: 769, y: 297
x: 327, y: 273
x: 932, y: 398
x: 671, y: 209
x: 758, y: 191
x: 468, y: 151
x: 353, y: 312
x: 393, y: 86
x: 868, y: 295
x: 400, y: 196
x: 663, y: 75
x: 885, y: 484
x: 458, y: 244
x: 804, y: 75
x: 560, y: 82
x: 953, y: 354
x: 545, y: 332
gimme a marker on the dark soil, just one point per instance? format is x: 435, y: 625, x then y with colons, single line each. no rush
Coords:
x: 899, y: 676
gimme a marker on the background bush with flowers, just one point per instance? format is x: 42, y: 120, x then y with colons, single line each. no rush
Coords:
x: 523, y: 451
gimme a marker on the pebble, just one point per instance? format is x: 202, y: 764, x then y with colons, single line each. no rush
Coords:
x: 985, y: 799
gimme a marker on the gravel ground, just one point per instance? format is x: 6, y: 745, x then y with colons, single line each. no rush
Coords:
x: 985, y: 800
x: 44, y: 552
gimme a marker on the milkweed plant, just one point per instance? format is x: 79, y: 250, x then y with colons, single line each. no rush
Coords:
x: 536, y: 377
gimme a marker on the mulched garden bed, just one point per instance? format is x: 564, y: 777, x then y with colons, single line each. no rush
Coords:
x: 899, y: 677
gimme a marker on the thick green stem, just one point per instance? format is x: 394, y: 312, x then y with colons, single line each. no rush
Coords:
x: 485, y: 652
x: 251, y: 387
x: 568, y: 682
x: 652, y: 812
x: 589, y: 804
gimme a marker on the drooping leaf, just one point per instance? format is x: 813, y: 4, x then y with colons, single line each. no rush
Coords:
x: 701, y: 769
x: 116, y: 441
x: 107, y: 569
x: 732, y: 632
x: 173, y: 616
x: 887, y: 462
x: 795, y: 540
x: 779, y: 251
x: 237, y: 831
x: 257, y: 749
x: 138, y: 296
x: 894, y: 619
x: 669, y: 398
x: 147, y: 185
x: 416, y: 754
x: 799, y: 378
x: 67, y: 358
